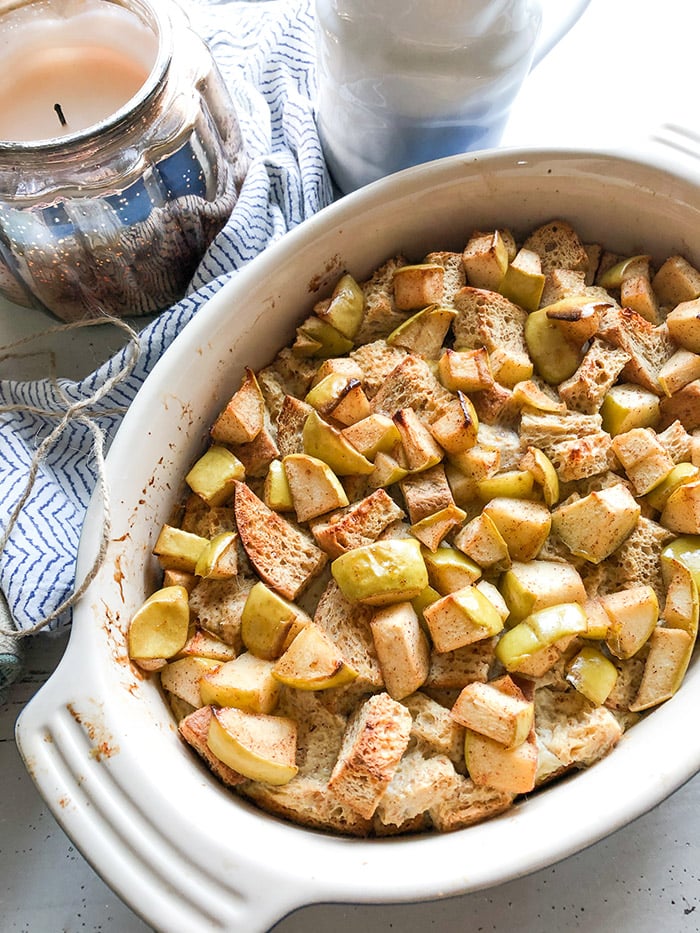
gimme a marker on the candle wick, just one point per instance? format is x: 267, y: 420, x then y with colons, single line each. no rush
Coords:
x: 59, y: 111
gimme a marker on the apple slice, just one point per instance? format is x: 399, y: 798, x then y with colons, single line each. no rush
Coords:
x: 314, y: 486
x: 383, y: 572
x: 259, y: 746
x: 219, y: 559
x: 345, y: 308
x: 269, y: 622
x: 244, y: 416
x: 177, y: 549
x: 670, y: 650
x: 498, y: 709
x: 160, y: 626
x: 325, y: 442
x: 494, y: 765
x: 246, y: 683
x: 213, y: 475
x: 592, y: 674
x: 313, y: 662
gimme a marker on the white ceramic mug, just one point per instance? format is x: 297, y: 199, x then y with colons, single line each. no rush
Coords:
x: 405, y: 81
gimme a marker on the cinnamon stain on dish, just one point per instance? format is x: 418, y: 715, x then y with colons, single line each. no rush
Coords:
x: 333, y: 267
x: 103, y: 745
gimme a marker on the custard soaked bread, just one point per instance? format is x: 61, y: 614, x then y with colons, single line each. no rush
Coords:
x: 442, y: 549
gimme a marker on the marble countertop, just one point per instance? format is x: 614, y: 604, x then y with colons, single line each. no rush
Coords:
x: 620, y: 73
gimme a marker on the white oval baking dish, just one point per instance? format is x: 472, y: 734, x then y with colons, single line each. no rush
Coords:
x: 98, y: 740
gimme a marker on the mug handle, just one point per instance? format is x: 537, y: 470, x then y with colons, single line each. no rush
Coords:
x: 557, y: 20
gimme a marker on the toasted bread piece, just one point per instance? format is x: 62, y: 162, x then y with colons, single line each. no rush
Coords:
x: 360, y: 523
x: 273, y: 391
x: 282, y: 555
x: 426, y: 493
x: 242, y: 419
x: 648, y: 347
x: 561, y: 283
x: 208, y: 522
x: 599, y: 369
x: 575, y: 443
x: 586, y: 457
x: 290, y: 425
x: 417, y: 824
x: 348, y: 626
x: 418, y: 784
x: 319, y: 730
x: 257, y: 455
x: 307, y: 800
x: 558, y: 246
x: 194, y: 730
x: 375, y: 740
x: 411, y: 384
x: 456, y: 669
x: 466, y: 804
x: 454, y: 278
x: 573, y: 729
x: 487, y: 319
x: 217, y: 606
x: 637, y: 561
x: 293, y: 373
x: 545, y: 430
x: 376, y: 360
x: 683, y: 406
x: 629, y: 677
x: 381, y: 315
x: 434, y: 728
x: 676, y: 442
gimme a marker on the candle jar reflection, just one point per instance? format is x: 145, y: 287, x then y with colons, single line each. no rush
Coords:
x: 116, y: 217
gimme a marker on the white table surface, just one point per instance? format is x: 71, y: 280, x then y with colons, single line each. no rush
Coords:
x: 623, y: 70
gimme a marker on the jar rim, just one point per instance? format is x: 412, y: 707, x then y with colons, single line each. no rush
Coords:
x: 156, y: 17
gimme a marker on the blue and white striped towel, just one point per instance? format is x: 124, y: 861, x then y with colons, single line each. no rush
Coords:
x: 265, y: 51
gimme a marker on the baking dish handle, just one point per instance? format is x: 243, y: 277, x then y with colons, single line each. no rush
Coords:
x: 68, y: 754
x: 677, y: 141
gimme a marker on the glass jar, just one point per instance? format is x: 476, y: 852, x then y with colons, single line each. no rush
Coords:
x: 115, y: 217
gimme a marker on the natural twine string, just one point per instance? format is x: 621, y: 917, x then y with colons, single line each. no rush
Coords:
x: 83, y: 412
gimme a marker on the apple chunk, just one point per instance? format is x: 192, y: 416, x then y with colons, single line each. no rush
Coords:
x: 461, y: 618
x: 160, y: 626
x: 244, y: 416
x: 524, y: 525
x: 259, y: 746
x: 527, y: 587
x: 383, y: 572
x: 494, y: 765
x: 213, y: 476
x: 313, y: 662
x: 634, y: 613
x: 682, y: 510
x: 269, y: 622
x: 669, y: 655
x: 596, y: 525
x: 402, y: 649
x: 246, y: 683
x: 498, y: 709
x: 314, y: 486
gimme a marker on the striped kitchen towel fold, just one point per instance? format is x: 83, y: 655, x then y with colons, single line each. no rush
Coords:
x: 265, y: 51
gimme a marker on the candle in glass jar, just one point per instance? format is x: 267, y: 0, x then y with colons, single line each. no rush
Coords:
x: 111, y: 211
x: 70, y: 66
